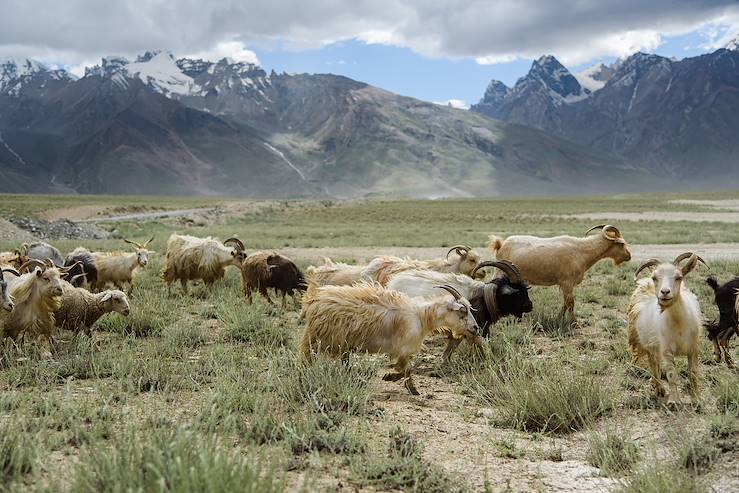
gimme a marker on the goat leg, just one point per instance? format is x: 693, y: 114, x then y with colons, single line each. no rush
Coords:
x: 451, y: 345
x: 655, y: 367
x: 727, y: 354
x: 693, y: 375
x: 672, y: 380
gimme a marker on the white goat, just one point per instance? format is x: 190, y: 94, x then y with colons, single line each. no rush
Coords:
x: 119, y: 268
x: 369, y: 318
x: 382, y: 269
x: 334, y: 273
x: 562, y: 260
x: 665, y: 321
x: 190, y: 258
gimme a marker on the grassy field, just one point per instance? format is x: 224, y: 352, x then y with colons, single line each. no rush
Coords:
x: 205, y: 393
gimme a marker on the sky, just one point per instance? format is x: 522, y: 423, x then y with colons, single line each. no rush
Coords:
x: 445, y: 50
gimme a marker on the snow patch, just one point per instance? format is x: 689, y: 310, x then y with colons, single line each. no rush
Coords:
x: 161, y: 73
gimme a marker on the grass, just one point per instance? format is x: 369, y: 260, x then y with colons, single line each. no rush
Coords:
x: 205, y: 387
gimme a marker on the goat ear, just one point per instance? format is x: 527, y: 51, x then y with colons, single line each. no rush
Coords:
x: 106, y: 297
x: 506, y: 290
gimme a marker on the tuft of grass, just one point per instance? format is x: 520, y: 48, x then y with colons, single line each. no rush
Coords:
x: 612, y: 453
x: 246, y: 324
x: 726, y: 390
x: 403, y: 469
x: 554, y: 324
x: 171, y: 460
x: 661, y: 478
x: 541, y: 395
x: 18, y: 452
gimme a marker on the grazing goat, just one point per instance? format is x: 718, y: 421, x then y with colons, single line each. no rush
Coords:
x: 84, y: 270
x: 491, y: 301
x: 368, y: 317
x: 263, y: 270
x: 562, y: 260
x: 721, y: 332
x: 665, y: 321
x: 80, y: 309
x: 382, y: 269
x: 37, y: 295
x: 119, y: 268
x: 190, y: 258
x: 334, y: 273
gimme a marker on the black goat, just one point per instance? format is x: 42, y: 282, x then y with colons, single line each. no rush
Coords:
x: 83, y: 269
x: 722, y: 331
x: 263, y: 270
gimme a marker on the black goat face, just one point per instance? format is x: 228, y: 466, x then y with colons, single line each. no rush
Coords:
x: 725, y: 298
x: 512, y: 298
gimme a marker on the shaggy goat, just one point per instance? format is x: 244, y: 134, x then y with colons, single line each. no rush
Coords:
x: 263, y: 270
x: 665, y: 321
x: 382, y: 269
x: 80, y: 309
x: 561, y: 260
x: 491, y: 301
x: 369, y: 318
x: 37, y: 295
x: 119, y: 268
x: 41, y: 251
x: 334, y: 273
x: 721, y: 332
x: 84, y: 270
x: 6, y: 303
x: 190, y: 258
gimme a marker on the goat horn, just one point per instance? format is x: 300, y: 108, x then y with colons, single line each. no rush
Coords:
x: 600, y: 226
x: 458, y: 249
x: 451, y: 290
x: 31, y: 263
x: 649, y: 263
x: 69, y: 267
x: 239, y: 244
x: 71, y: 281
x: 685, y: 255
x: 507, y: 267
x: 137, y: 245
x: 49, y: 262
x: 12, y: 271
x: 148, y: 241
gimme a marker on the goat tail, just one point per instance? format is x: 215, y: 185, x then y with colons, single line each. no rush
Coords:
x: 711, y: 281
x: 495, y: 243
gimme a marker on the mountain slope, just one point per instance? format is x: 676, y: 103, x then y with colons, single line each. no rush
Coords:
x: 159, y: 125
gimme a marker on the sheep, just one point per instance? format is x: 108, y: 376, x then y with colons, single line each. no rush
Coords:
x: 491, y: 301
x: 382, y: 269
x: 262, y: 270
x: 190, y: 258
x: 665, y: 321
x: 80, y: 309
x: 721, y: 332
x: 561, y: 260
x: 119, y: 268
x: 37, y: 295
x: 367, y: 317
x: 84, y: 271
x: 335, y: 273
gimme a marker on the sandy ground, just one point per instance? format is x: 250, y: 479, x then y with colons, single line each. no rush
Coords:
x: 708, y: 251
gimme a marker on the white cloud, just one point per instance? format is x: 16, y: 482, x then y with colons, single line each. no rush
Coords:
x: 77, y: 31
x: 454, y: 103
x: 234, y: 50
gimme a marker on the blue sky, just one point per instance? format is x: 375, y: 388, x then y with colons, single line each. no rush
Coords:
x: 402, y: 71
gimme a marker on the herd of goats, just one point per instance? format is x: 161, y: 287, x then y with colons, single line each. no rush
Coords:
x: 388, y: 306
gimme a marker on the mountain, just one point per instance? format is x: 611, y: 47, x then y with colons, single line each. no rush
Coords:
x: 160, y: 125
x: 671, y: 118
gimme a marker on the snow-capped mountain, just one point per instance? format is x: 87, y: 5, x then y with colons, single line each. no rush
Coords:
x: 16, y: 74
x: 535, y: 97
x: 161, y: 125
x: 733, y: 44
x: 665, y: 115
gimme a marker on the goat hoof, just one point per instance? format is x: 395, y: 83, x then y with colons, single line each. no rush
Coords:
x: 392, y: 377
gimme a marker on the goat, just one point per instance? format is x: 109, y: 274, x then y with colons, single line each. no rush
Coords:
x: 491, y: 301
x: 13, y: 259
x: 561, y: 260
x: 334, y: 273
x: 37, y: 295
x: 262, y: 270
x: 6, y: 302
x: 721, y: 332
x: 41, y: 251
x: 665, y: 321
x: 368, y: 317
x: 119, y: 268
x: 190, y: 258
x: 80, y: 309
x: 382, y: 269
x: 85, y: 271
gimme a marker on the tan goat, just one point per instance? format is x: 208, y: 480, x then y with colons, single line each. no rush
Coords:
x: 119, y: 268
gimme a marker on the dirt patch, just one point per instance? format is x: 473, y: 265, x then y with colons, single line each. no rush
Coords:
x: 727, y: 204
x: 670, y: 216
x: 72, y: 213
x: 11, y: 233
x: 62, y: 229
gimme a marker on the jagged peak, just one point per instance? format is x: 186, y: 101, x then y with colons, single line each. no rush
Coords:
x: 733, y: 45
